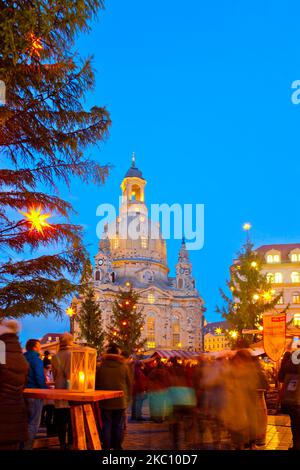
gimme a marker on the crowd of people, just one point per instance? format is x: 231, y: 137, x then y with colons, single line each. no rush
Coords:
x: 217, y: 396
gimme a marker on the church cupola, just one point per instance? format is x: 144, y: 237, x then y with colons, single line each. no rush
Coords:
x: 133, y: 185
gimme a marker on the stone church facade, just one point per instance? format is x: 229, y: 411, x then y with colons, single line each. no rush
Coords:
x: 172, y: 306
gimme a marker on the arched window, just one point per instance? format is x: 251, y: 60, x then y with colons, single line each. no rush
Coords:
x: 176, y: 332
x: 180, y: 283
x: 281, y: 300
x: 295, y: 277
x: 278, y: 278
x: 150, y: 325
x: 97, y: 276
x: 296, y: 298
x: 113, y: 277
x: 135, y: 193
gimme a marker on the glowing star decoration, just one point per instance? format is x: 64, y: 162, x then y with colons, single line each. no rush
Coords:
x: 218, y: 331
x: 37, y: 220
x: 233, y: 334
x: 261, y: 328
x: 70, y: 312
x: 267, y: 296
x: 254, y: 264
x: 247, y: 226
x: 36, y: 45
x: 255, y: 297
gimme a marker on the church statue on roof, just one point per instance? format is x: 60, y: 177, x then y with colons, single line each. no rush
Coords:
x: 172, y: 306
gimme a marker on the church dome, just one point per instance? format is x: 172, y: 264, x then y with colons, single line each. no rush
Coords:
x: 133, y: 171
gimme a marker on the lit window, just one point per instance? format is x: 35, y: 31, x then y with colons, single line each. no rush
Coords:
x: 278, y: 278
x: 144, y: 242
x: 295, y: 277
x: 280, y: 301
x: 295, y: 257
x: 296, y: 298
x: 116, y: 243
x: 151, y: 298
x: 273, y: 258
x: 176, y: 332
x: 150, y: 332
x: 296, y: 319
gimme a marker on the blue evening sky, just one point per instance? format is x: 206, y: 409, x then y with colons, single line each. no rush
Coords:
x: 201, y: 91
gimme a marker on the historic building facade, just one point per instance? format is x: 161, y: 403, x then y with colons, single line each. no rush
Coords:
x: 281, y: 263
x: 215, y: 338
x: 172, y: 306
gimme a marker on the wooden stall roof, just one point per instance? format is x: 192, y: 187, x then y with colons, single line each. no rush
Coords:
x: 61, y: 394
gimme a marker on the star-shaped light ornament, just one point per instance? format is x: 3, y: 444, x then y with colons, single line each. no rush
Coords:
x: 70, y: 312
x: 36, y: 220
x: 36, y: 45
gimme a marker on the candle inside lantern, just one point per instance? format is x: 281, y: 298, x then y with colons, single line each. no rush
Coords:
x: 81, y: 380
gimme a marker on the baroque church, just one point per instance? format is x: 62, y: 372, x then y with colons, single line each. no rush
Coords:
x: 172, y: 306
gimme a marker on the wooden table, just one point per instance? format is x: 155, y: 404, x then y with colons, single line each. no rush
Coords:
x: 84, y: 427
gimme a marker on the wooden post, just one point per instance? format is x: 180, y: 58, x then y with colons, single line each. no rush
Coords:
x: 91, y: 429
x: 78, y: 427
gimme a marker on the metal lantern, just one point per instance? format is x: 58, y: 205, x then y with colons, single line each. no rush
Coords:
x: 83, y: 369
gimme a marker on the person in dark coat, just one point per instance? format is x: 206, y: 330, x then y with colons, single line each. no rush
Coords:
x: 62, y: 373
x: 35, y: 379
x: 114, y: 374
x: 13, y: 376
x: 139, y: 392
x: 289, y: 367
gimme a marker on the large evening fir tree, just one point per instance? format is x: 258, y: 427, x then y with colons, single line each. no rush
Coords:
x: 126, y: 323
x: 252, y: 294
x: 89, y: 317
x: 45, y: 134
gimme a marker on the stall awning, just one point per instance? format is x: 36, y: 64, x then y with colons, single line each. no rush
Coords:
x: 168, y: 354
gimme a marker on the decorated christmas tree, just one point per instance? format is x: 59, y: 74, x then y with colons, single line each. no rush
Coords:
x: 127, y: 322
x: 89, y: 316
x: 252, y: 294
x: 45, y: 133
